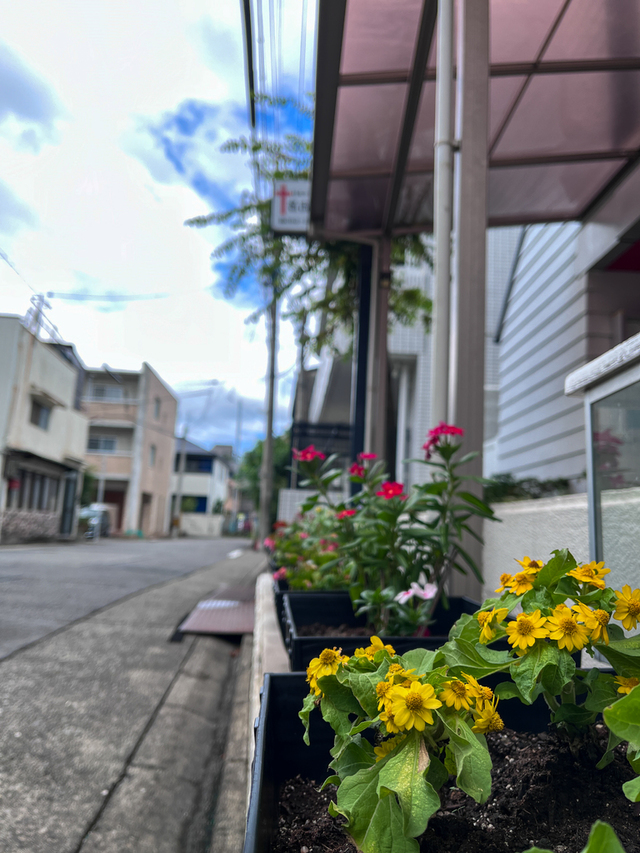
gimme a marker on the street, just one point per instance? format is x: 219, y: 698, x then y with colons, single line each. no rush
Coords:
x: 111, y: 736
x: 45, y: 587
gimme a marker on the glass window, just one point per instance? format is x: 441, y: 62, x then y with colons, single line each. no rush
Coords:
x: 40, y: 414
x: 616, y: 474
x: 107, y: 392
x: 156, y: 408
x: 102, y: 444
x: 52, y: 497
x: 152, y: 456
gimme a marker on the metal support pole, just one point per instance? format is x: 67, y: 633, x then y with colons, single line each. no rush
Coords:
x: 361, y: 349
x: 266, y: 470
x: 442, y: 212
x: 177, y: 508
x: 466, y: 369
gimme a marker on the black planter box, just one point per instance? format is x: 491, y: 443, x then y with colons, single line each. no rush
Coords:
x: 280, y: 587
x: 337, y: 609
x: 281, y: 753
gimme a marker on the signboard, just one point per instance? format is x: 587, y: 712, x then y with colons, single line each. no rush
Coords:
x: 290, y: 207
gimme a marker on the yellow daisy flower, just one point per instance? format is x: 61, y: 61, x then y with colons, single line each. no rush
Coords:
x: 456, y: 694
x: 526, y: 629
x: 505, y: 580
x: 592, y: 573
x: 376, y: 645
x: 326, y: 663
x: 522, y: 582
x: 627, y: 607
x: 530, y: 565
x: 487, y: 718
x: 412, y: 706
x: 382, y: 692
x: 389, y: 721
x: 396, y: 673
x: 480, y: 692
x: 626, y: 684
x: 488, y: 620
x: 564, y: 628
x: 388, y: 746
x: 595, y: 620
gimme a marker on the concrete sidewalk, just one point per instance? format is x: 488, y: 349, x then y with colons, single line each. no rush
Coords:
x: 111, y: 736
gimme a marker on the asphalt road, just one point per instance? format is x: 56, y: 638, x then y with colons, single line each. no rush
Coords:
x: 46, y: 587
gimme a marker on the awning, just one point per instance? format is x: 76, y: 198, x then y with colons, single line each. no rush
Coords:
x: 564, y: 123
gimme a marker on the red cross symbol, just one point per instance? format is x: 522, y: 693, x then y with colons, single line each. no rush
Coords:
x: 283, y: 194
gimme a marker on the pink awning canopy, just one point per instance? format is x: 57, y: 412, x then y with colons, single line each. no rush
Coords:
x: 564, y: 121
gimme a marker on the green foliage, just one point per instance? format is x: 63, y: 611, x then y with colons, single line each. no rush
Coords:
x: 623, y: 719
x: 316, y: 277
x: 399, y: 549
x: 388, y: 794
x: 89, y: 487
x: 602, y: 839
x: 505, y: 487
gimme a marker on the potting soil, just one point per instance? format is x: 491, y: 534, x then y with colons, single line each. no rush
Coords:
x: 542, y: 794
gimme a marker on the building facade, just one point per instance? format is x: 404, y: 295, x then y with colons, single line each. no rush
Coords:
x: 43, y: 435
x: 130, y: 447
x: 205, y: 481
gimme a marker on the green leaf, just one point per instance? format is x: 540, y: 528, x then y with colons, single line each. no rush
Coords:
x: 363, y: 685
x: 479, y: 661
x: 467, y: 627
x: 632, y: 789
x: 633, y: 756
x: 537, y: 599
x: 376, y: 824
x: 623, y: 717
x: 554, y: 678
x: 602, y: 839
x: 354, y: 757
x: 607, y: 758
x: 437, y: 773
x: 421, y: 660
x: 307, y: 707
x: 623, y: 655
x: 403, y: 774
x: 575, y: 715
x: 602, y: 692
x: 558, y: 565
x: 525, y: 671
x: 508, y: 690
x: 473, y: 762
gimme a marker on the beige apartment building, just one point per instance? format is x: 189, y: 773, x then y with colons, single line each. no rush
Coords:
x: 130, y: 447
x: 43, y: 435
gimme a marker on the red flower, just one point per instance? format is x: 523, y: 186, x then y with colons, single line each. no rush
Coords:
x: 390, y: 490
x: 356, y: 470
x: 363, y: 456
x: 433, y: 436
x: 308, y: 454
x: 346, y: 513
x: 280, y: 574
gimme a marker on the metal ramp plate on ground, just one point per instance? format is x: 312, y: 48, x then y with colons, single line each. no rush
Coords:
x: 229, y: 611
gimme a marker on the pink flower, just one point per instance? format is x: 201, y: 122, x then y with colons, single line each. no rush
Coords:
x: 363, y: 456
x: 308, y: 454
x: 390, y: 490
x: 280, y: 574
x: 331, y: 546
x: 426, y: 592
x: 434, y: 435
x: 356, y: 470
x: 345, y: 513
x: 303, y: 535
x: 269, y: 543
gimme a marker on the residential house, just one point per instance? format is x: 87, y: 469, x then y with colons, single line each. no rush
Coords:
x: 43, y: 435
x: 203, y: 484
x: 130, y: 447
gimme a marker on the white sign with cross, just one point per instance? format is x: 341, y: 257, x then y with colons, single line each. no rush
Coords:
x: 290, y: 207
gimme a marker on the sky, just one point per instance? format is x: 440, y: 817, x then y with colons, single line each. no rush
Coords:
x: 112, y: 115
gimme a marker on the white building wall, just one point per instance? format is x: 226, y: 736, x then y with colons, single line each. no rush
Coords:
x: 544, y: 337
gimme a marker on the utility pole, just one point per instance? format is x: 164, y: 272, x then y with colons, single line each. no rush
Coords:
x: 177, y: 509
x: 266, y: 470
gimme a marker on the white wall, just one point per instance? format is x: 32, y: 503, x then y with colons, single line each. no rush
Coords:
x: 201, y: 524
x: 9, y: 336
x: 535, y: 528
